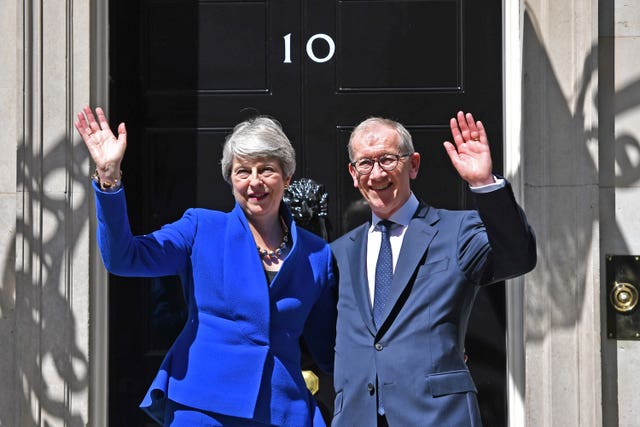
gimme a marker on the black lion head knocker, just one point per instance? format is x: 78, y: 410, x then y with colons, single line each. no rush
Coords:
x: 307, y: 201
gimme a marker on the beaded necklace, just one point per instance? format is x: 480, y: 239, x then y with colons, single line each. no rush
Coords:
x: 277, y: 253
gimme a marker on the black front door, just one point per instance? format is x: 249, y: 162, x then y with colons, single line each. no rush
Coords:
x: 183, y: 73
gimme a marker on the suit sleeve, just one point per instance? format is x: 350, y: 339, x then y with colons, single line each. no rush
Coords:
x: 320, y: 328
x: 161, y: 253
x: 510, y: 237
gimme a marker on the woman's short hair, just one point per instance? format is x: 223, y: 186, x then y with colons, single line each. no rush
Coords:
x: 405, y: 145
x: 257, y: 138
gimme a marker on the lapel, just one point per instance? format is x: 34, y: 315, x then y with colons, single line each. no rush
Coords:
x: 357, y: 264
x: 288, y: 267
x: 245, y: 282
x: 421, y: 231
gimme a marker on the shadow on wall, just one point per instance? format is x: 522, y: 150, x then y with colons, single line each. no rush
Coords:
x: 565, y: 163
x: 37, y: 323
x: 570, y: 154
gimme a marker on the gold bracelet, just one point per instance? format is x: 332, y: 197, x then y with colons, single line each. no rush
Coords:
x: 107, y: 185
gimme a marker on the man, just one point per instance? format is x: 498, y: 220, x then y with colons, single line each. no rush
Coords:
x: 407, y: 287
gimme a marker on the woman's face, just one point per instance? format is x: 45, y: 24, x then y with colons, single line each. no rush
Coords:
x: 258, y: 186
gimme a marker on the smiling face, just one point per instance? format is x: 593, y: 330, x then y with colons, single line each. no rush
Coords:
x: 258, y: 186
x: 384, y: 191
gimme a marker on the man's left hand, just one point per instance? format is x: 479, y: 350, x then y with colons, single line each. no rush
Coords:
x: 471, y: 155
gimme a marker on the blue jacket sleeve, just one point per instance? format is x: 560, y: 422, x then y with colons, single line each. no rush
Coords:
x: 320, y: 327
x: 161, y: 253
x: 511, y: 238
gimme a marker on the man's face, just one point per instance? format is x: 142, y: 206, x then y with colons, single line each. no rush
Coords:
x: 385, y: 191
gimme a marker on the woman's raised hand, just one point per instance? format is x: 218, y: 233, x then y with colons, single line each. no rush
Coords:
x: 105, y: 149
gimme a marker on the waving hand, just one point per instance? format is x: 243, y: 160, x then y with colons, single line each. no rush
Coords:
x: 470, y: 155
x: 105, y: 149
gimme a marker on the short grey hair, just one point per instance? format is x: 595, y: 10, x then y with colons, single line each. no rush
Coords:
x: 405, y: 144
x: 257, y: 138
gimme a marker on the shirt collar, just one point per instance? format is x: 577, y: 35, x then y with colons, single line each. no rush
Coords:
x: 403, y: 215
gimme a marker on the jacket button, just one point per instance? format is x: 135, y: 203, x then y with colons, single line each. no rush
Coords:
x: 371, y: 388
x: 378, y: 346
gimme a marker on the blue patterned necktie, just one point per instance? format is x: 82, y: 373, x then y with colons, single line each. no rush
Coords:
x: 384, y: 272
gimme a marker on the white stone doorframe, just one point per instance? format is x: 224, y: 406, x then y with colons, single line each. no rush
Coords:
x: 512, y: 12
x: 512, y: 45
x: 99, y: 345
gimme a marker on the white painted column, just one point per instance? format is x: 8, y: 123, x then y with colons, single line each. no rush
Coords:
x: 11, y: 134
x: 560, y: 160
x: 44, y: 211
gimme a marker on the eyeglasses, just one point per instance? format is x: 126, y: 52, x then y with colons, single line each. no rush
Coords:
x: 387, y: 162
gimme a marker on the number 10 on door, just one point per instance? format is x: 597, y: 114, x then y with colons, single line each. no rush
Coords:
x: 310, y: 52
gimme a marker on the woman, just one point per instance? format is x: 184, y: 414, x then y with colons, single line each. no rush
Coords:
x: 237, y: 360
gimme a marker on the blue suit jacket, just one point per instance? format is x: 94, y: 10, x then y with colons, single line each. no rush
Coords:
x: 238, y: 353
x: 414, y: 364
